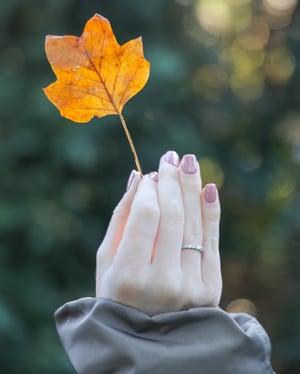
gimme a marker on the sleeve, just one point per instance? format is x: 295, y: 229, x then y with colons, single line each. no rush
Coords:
x: 102, y: 336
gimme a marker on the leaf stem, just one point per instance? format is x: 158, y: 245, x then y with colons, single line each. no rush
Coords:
x: 136, y: 159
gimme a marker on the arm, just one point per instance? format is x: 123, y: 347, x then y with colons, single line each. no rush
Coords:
x: 156, y: 306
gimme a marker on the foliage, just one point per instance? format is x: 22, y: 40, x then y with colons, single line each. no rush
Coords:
x: 224, y: 85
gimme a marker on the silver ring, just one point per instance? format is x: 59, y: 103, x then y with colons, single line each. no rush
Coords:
x: 193, y: 247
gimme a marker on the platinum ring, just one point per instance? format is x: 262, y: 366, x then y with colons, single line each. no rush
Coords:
x: 193, y: 247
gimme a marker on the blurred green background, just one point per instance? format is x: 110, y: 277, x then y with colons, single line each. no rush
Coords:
x: 224, y: 85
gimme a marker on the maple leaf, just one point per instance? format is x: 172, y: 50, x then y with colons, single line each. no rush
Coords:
x: 95, y: 75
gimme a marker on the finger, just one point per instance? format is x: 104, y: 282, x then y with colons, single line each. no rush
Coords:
x: 169, y: 238
x: 191, y: 187
x: 136, y: 246
x: 211, y: 270
x: 116, y: 226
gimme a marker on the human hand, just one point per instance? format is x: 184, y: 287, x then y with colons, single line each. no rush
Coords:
x: 141, y: 262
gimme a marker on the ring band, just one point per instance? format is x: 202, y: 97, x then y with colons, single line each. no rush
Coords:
x: 193, y: 247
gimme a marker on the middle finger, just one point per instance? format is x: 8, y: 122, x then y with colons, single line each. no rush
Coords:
x: 169, y: 238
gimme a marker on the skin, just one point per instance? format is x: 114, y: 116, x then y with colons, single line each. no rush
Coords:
x: 140, y: 262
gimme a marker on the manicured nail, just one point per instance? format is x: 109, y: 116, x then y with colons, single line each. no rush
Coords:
x: 153, y: 175
x: 172, y: 158
x: 131, y: 178
x: 189, y: 164
x: 210, y: 193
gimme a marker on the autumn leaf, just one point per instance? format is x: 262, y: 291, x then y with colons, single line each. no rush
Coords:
x: 95, y: 75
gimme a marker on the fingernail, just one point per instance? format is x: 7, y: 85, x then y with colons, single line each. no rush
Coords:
x: 210, y: 193
x: 172, y: 158
x: 131, y: 178
x: 153, y: 175
x: 189, y: 164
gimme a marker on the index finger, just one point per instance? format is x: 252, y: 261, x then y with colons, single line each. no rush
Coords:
x: 139, y: 234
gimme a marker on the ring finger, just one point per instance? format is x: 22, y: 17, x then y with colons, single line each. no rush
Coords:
x: 191, y: 186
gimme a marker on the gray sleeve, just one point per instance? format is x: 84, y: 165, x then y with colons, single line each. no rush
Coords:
x: 102, y: 336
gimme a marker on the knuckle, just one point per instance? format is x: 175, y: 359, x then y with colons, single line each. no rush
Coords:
x: 192, y: 295
x: 169, y: 289
x: 211, y: 243
x: 144, y: 220
x: 127, y: 284
x: 147, y: 211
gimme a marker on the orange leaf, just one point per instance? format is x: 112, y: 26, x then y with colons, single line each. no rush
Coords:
x: 95, y: 75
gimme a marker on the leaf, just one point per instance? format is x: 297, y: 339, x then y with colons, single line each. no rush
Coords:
x: 95, y: 75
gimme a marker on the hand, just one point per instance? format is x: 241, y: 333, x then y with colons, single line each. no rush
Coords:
x: 141, y: 263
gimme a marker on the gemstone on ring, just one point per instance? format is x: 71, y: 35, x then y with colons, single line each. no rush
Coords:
x: 193, y: 247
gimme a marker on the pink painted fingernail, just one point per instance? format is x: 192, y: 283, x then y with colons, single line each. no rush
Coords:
x: 210, y: 193
x: 153, y: 175
x: 172, y: 158
x: 189, y: 164
x: 131, y: 178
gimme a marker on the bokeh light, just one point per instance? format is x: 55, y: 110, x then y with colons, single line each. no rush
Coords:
x: 289, y: 130
x: 242, y: 306
x: 211, y: 171
x: 279, y: 12
x: 244, y: 39
x: 214, y: 16
x: 282, y: 185
x: 280, y: 65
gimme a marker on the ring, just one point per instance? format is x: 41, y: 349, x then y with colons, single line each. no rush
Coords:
x: 193, y: 247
